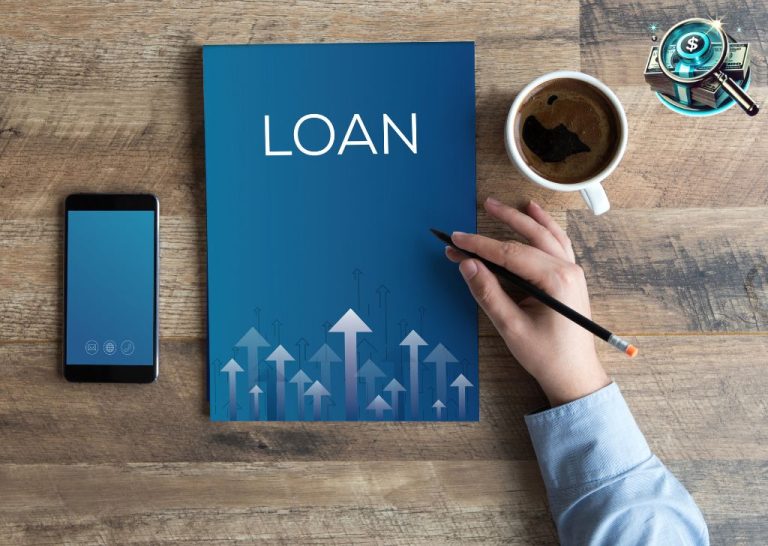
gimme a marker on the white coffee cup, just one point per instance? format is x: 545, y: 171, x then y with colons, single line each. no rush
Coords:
x: 591, y: 189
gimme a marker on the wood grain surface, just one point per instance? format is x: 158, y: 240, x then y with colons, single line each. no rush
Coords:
x: 107, y: 96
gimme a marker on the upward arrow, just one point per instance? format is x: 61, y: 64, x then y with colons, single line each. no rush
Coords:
x: 300, y: 379
x: 394, y: 388
x: 317, y: 392
x: 232, y: 368
x: 252, y: 341
x: 438, y: 409
x: 382, y: 291
x: 379, y: 406
x: 350, y: 325
x: 440, y: 356
x: 326, y: 357
x: 462, y: 384
x: 369, y: 372
x: 302, y: 345
x: 413, y: 341
x: 280, y: 356
x: 256, y: 391
x: 326, y: 326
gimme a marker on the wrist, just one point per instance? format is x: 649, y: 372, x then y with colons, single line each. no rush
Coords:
x: 564, y: 388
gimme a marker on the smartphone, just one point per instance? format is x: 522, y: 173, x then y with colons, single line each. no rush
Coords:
x: 110, y: 287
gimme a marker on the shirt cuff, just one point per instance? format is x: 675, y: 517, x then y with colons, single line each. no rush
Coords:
x: 590, y: 439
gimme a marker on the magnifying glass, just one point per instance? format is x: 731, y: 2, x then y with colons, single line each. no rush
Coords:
x: 695, y: 49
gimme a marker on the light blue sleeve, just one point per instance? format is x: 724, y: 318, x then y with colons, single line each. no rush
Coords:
x: 604, y: 484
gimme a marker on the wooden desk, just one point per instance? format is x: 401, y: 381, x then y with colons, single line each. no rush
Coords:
x: 108, y: 97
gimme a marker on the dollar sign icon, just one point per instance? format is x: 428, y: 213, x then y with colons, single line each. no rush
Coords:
x: 693, y: 44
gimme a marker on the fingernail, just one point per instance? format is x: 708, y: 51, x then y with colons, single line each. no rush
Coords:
x: 468, y: 269
x: 457, y: 234
x: 492, y: 201
x: 534, y: 204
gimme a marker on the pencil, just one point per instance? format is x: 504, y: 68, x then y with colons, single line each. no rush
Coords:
x: 556, y: 305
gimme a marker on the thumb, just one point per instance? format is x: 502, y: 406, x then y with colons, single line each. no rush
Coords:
x: 504, y: 313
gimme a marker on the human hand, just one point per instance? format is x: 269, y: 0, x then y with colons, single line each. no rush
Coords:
x: 558, y: 353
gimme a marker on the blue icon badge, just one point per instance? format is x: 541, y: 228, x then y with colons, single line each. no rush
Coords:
x: 127, y: 347
x: 91, y: 347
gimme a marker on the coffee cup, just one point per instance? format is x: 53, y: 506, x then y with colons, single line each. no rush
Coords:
x: 572, y: 145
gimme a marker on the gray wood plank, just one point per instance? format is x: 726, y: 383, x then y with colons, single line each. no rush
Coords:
x: 729, y: 494
x: 379, y: 502
x: 666, y: 270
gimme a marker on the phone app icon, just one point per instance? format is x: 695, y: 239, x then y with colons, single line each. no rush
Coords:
x: 91, y: 347
x: 127, y: 347
x: 110, y: 347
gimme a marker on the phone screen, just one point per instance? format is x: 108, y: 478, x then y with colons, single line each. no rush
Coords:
x: 110, y: 288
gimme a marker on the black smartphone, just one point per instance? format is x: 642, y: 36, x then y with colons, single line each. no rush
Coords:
x: 111, y: 254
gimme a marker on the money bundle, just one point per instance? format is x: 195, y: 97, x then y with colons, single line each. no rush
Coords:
x: 709, y: 91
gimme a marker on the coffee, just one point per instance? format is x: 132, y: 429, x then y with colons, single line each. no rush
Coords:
x: 567, y: 130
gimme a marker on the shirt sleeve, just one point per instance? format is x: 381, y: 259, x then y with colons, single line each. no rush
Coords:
x: 604, y: 484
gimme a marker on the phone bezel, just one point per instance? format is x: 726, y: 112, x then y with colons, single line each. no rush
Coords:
x: 143, y: 373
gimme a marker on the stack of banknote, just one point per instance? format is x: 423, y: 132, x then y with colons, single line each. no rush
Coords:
x: 709, y: 91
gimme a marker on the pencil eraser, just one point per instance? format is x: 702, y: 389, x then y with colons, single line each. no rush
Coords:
x: 632, y: 351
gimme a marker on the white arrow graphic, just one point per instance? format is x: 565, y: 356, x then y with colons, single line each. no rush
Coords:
x: 325, y: 356
x: 232, y: 368
x: 379, y: 406
x: 280, y: 356
x: 300, y: 379
x: 256, y: 391
x: 394, y: 388
x: 438, y: 409
x: 350, y: 325
x: 369, y: 372
x: 440, y: 356
x: 316, y: 391
x: 413, y: 341
x: 462, y: 383
x: 252, y: 341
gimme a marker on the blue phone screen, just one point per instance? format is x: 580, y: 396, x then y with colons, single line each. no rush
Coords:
x: 110, y: 287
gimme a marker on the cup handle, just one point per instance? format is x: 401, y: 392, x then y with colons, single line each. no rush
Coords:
x: 596, y: 198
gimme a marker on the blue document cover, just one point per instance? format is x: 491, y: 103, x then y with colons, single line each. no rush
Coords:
x: 328, y: 297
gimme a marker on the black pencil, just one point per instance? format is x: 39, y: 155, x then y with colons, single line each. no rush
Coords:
x: 620, y: 344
